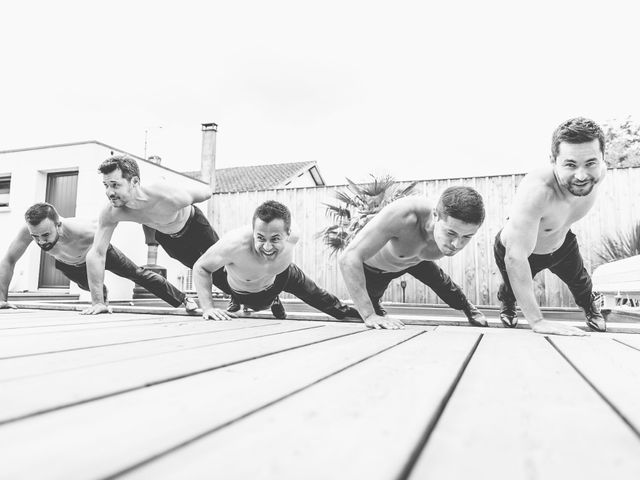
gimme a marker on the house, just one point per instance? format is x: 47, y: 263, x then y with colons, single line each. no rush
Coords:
x: 66, y: 175
x: 265, y: 177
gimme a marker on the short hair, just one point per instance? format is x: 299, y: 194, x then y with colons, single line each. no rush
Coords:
x: 38, y: 212
x: 272, y: 210
x: 127, y: 165
x: 462, y: 203
x: 576, y: 130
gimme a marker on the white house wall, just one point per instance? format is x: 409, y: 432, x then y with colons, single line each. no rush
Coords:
x: 28, y: 171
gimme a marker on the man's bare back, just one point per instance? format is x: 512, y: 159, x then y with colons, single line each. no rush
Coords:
x: 412, y: 243
x: 155, y: 205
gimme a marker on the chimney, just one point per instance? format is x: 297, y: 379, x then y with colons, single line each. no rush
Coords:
x: 208, y: 162
x: 208, y: 156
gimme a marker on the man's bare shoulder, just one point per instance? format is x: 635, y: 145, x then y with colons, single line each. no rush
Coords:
x: 161, y: 190
x: 536, y: 188
x: 23, y: 235
x: 157, y: 185
x: 80, y: 227
x: 408, y: 209
x: 394, y: 219
x: 110, y: 215
x: 235, y: 240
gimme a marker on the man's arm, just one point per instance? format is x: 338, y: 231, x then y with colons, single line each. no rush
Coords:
x: 375, y: 234
x: 216, y: 257
x: 96, y: 257
x: 519, y: 238
x: 16, y: 249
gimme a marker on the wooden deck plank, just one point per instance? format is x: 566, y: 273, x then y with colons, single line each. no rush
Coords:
x: 12, y: 316
x: 36, y: 365
x: 100, y: 438
x: 79, y: 326
x: 612, y: 368
x: 100, y: 335
x: 521, y: 410
x: 629, y: 340
x: 361, y: 423
x: 55, y: 321
x: 24, y: 397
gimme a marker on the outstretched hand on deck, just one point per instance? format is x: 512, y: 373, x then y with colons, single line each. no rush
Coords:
x: 555, y: 328
x: 96, y: 309
x: 376, y: 321
x: 217, y: 314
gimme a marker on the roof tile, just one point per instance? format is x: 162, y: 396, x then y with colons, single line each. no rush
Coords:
x: 257, y: 177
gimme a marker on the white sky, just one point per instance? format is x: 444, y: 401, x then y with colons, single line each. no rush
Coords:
x: 417, y: 89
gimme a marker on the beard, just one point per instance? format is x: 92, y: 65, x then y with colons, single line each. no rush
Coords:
x: 581, y: 190
x: 47, y: 246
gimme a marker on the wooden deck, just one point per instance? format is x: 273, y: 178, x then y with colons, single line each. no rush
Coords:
x: 163, y: 396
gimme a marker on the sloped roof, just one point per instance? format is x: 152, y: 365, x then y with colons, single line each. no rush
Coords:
x: 259, y: 177
x: 109, y: 147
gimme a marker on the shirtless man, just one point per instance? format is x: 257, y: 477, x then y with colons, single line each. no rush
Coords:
x: 255, y: 265
x: 537, y: 234
x: 181, y: 228
x: 68, y: 240
x: 405, y: 237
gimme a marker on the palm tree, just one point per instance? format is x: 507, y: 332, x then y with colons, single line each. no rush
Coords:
x: 619, y: 246
x: 360, y: 204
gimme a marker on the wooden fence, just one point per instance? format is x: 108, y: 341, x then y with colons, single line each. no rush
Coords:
x: 616, y: 210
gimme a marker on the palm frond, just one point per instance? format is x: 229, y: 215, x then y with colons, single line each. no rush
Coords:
x: 356, y: 189
x: 337, y: 213
x: 620, y: 245
x: 407, y: 190
x: 344, y: 198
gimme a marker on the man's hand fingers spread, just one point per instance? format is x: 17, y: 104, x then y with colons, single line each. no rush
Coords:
x: 215, y: 314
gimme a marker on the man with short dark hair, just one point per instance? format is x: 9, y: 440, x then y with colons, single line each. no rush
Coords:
x: 405, y: 237
x: 68, y: 240
x: 538, y: 234
x: 255, y: 264
x: 181, y: 228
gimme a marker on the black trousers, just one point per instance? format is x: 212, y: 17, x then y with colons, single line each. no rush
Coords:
x: 566, y: 262
x: 427, y: 272
x: 118, y: 263
x: 195, y: 238
x: 292, y: 280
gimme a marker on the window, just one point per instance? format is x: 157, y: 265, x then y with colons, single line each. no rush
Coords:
x: 5, y: 188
